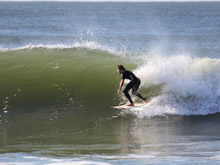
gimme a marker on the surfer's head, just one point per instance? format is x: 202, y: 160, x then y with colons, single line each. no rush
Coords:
x: 120, y: 68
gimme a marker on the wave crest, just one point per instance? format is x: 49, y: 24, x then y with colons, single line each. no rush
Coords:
x: 91, y: 45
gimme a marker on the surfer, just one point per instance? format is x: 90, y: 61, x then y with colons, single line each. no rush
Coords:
x: 133, y: 84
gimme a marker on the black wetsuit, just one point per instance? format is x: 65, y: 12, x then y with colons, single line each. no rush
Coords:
x: 133, y: 84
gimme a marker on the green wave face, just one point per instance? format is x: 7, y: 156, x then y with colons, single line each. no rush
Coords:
x: 43, y: 77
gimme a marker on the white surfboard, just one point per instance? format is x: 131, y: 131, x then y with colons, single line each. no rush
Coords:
x: 129, y: 107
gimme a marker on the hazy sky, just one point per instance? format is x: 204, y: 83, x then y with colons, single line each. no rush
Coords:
x: 121, y: 0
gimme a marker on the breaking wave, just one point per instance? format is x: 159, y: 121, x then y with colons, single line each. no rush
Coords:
x: 84, y: 75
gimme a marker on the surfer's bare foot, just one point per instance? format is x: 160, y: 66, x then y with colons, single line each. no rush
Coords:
x: 130, y: 105
x: 145, y: 101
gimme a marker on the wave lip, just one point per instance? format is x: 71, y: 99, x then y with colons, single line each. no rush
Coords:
x: 86, y: 44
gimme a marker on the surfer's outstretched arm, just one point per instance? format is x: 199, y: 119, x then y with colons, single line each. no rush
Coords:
x: 121, y: 84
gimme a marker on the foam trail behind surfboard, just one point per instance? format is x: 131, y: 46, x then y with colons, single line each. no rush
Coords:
x: 129, y: 107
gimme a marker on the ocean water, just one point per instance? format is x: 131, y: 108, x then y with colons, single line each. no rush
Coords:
x: 58, y: 81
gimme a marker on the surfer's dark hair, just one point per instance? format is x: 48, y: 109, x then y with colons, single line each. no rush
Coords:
x: 121, y: 67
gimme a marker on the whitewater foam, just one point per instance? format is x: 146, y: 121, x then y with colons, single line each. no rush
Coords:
x: 182, y: 75
x: 29, y: 159
x: 190, y: 85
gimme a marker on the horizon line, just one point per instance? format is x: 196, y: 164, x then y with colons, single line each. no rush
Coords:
x: 109, y: 0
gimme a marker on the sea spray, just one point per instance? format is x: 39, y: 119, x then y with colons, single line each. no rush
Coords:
x: 191, y: 85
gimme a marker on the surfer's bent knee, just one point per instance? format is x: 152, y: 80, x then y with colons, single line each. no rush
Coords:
x: 134, y: 92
